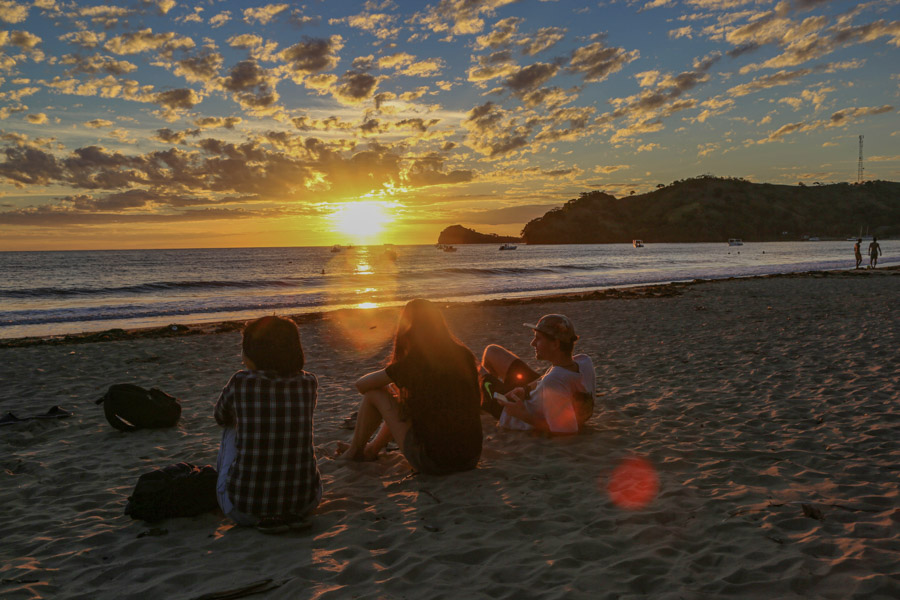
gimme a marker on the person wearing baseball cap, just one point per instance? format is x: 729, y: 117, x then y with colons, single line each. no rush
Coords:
x: 560, y: 400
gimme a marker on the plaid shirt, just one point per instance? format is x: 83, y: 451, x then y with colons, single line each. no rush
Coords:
x: 274, y: 472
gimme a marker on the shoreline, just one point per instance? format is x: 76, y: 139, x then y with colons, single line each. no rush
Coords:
x: 636, y: 291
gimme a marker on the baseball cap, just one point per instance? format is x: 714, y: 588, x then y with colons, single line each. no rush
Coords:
x: 559, y: 327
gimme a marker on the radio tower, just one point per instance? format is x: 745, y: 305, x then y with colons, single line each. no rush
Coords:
x: 859, y: 169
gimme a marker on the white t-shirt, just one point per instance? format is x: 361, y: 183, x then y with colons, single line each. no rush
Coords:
x: 553, y: 400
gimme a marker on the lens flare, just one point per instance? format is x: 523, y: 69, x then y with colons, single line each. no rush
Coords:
x: 633, y: 484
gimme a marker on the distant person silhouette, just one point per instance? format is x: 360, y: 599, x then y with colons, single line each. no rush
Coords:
x: 874, y: 252
x: 857, y: 251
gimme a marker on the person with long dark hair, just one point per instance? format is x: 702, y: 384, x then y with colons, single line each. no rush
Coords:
x: 427, y: 398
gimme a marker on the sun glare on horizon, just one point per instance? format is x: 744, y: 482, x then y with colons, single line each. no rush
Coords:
x: 363, y: 221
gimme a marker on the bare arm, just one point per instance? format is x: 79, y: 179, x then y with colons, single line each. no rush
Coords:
x: 373, y: 381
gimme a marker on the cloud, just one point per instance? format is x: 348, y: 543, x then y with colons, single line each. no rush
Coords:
x: 97, y: 64
x: 211, y: 122
x: 530, y: 77
x: 312, y: 56
x: 37, y: 119
x: 503, y: 33
x: 681, y: 32
x: 22, y: 39
x: 163, y: 6
x: 107, y: 16
x: 259, y: 48
x: 494, y: 132
x: 263, y: 14
x: 713, y: 107
x: 354, y: 87
x: 805, y: 40
x: 85, y: 39
x: 596, y: 61
x: 220, y: 19
x: 252, y: 87
x: 460, y: 17
x: 182, y: 98
x: 48, y: 216
x: 168, y: 136
x: 98, y: 123
x: 203, y: 68
x: 491, y: 66
x: 644, y: 109
x: 837, y: 119
x: 545, y: 38
x: 405, y: 64
x: 609, y: 168
x: 768, y: 81
x: 381, y: 25
x: 145, y: 40
x: 428, y: 170
x: 843, y: 117
x: 12, y: 12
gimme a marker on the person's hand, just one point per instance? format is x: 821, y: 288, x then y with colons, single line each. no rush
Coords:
x: 517, y: 394
x: 514, y: 407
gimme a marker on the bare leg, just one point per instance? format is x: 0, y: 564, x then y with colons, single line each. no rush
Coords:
x: 496, y: 360
x: 376, y: 406
x: 381, y: 439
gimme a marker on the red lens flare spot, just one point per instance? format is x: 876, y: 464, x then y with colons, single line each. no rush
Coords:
x: 519, y: 376
x: 633, y: 484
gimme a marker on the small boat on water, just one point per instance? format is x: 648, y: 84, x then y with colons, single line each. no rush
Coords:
x: 735, y: 242
x: 449, y: 248
x: 637, y: 243
x: 336, y: 248
x: 508, y: 247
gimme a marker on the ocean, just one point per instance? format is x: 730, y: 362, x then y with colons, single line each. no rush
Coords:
x: 51, y: 293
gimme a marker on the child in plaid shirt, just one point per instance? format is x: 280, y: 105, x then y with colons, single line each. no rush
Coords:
x: 268, y: 475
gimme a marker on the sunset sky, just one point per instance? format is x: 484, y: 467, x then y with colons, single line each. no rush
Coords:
x: 166, y: 123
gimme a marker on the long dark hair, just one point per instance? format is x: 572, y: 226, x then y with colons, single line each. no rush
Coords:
x: 273, y: 344
x: 424, y: 339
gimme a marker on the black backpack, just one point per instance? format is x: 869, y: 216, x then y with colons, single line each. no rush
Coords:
x: 180, y: 490
x: 130, y: 407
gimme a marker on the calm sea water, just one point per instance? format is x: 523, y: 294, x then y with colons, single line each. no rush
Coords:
x: 47, y: 293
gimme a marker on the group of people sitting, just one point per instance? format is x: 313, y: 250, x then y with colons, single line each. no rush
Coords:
x: 428, y: 399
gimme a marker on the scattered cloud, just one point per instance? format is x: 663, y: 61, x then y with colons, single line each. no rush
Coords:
x: 263, y: 14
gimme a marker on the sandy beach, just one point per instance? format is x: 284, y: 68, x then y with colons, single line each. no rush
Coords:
x: 764, y: 410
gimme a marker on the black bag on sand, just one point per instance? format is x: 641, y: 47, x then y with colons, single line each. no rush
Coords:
x: 180, y: 490
x: 130, y: 407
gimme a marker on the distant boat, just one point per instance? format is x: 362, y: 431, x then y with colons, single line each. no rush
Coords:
x: 637, y: 243
x: 336, y: 248
x: 508, y: 247
x: 813, y: 239
x: 865, y: 238
x: 735, y: 242
x: 449, y: 248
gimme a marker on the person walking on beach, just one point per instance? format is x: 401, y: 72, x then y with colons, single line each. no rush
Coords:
x: 560, y: 401
x: 268, y: 475
x: 426, y: 398
x: 857, y: 251
x: 874, y: 252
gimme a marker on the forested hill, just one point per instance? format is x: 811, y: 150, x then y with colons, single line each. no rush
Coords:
x: 457, y: 234
x: 711, y: 209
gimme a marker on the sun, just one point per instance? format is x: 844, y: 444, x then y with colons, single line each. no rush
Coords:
x: 363, y: 220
